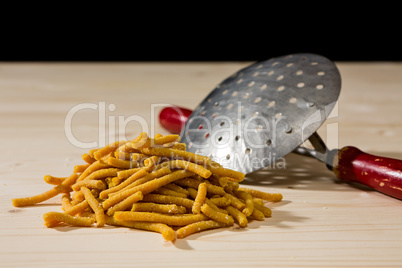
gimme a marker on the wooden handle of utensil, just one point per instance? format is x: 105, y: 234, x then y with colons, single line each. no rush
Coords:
x: 380, y: 173
x: 173, y: 118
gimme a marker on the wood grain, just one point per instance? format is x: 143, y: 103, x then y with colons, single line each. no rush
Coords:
x: 320, y: 222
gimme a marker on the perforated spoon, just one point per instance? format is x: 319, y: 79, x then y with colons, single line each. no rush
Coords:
x: 269, y: 109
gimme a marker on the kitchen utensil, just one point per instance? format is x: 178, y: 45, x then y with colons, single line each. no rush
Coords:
x: 269, y: 109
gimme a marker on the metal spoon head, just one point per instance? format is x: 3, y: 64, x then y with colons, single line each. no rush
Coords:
x: 264, y: 111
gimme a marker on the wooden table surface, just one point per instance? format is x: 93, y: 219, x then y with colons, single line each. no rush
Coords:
x: 320, y: 222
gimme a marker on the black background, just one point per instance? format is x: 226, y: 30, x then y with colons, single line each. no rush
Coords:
x: 190, y: 48
x: 244, y: 34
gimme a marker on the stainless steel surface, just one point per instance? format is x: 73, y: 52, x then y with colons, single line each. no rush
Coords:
x: 317, y: 149
x: 264, y: 111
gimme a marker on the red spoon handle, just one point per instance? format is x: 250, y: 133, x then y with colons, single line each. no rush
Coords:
x: 173, y: 118
x: 380, y: 173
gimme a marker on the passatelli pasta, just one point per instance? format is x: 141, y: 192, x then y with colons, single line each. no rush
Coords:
x: 152, y: 184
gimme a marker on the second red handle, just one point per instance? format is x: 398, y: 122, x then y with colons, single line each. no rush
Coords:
x: 380, y: 173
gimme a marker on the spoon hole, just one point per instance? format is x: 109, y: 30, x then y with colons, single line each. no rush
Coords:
x: 300, y: 85
x: 292, y: 100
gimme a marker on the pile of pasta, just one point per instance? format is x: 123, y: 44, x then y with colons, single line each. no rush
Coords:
x: 152, y: 184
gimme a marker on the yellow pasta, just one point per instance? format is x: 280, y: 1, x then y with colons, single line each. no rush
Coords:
x: 96, y: 207
x: 219, y: 180
x: 103, y: 173
x: 112, y: 182
x: 166, y: 191
x: 215, y: 207
x: 258, y: 201
x: 142, y: 141
x: 137, y: 157
x: 121, y: 164
x: 29, y: 201
x: 189, y: 182
x: 137, y: 175
x: 152, y: 184
x: 159, y: 208
x: 238, y: 216
x: 78, y: 208
x: 160, y: 140
x: 81, y: 168
x: 77, y: 197
x: 66, y: 201
x: 248, y: 200
x: 258, y: 215
x: 265, y: 210
x: 153, y: 175
x: 176, y: 188
x: 272, y: 197
x: 228, y: 173
x: 151, y: 161
x: 172, y: 220
x: 126, y: 203
x: 231, y: 186
x: 92, y: 168
x: 124, y: 174
x: 122, y: 155
x: 216, y: 215
x: 167, y: 232
x: 234, y: 201
x: 193, y: 192
x: 179, y: 146
x: 108, y: 149
x: 178, y: 154
x: 146, y: 187
x: 198, y: 227
x: 220, y: 201
x: 97, y: 184
x: 200, y: 198
x: 158, y: 135
x: 182, y: 164
x: 214, y: 189
x: 92, y: 151
x: 88, y: 158
x: 168, y: 199
x: 53, y: 180
x: 193, y: 183
x: 54, y: 218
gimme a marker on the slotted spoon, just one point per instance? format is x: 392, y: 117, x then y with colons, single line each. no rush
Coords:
x: 269, y: 109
